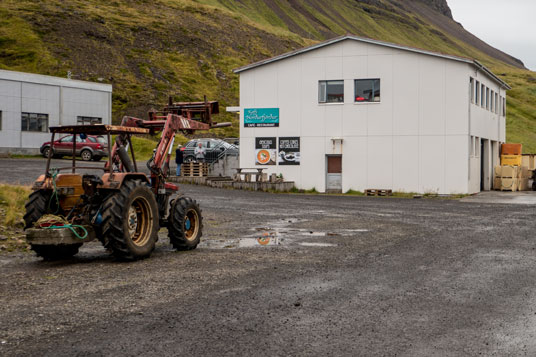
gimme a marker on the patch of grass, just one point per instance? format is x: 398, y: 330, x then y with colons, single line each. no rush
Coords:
x: 354, y: 193
x: 12, y: 200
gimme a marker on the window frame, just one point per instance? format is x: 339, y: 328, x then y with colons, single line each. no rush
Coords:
x: 472, y: 86
x: 1, y: 120
x: 477, y: 92
x: 38, y: 116
x: 86, y: 120
x: 373, y: 80
x: 482, y: 94
x: 326, y: 82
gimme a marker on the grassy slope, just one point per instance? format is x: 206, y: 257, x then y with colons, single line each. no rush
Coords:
x: 150, y: 49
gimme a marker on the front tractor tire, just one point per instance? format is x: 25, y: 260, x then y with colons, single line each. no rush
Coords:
x: 185, y: 224
x: 130, y: 221
x: 36, y: 207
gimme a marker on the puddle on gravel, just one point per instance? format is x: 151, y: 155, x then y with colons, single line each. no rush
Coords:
x: 278, y: 233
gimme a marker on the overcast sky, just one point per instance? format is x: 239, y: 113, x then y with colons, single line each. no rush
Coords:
x: 509, y: 25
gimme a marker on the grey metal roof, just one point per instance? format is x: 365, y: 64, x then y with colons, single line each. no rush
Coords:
x: 375, y: 42
x: 55, y: 81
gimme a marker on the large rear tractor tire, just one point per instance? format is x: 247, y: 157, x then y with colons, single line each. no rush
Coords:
x: 185, y: 226
x: 130, y: 221
x: 36, y: 207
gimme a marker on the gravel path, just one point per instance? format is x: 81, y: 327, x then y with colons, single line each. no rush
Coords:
x: 333, y: 276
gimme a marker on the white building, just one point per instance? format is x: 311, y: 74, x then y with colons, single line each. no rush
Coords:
x: 31, y: 103
x: 355, y: 114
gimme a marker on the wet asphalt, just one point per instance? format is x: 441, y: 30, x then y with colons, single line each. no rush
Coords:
x: 285, y: 274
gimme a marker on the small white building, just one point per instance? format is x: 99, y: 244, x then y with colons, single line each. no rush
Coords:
x: 31, y: 103
x: 353, y: 114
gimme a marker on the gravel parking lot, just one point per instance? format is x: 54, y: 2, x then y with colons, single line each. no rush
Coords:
x: 283, y: 274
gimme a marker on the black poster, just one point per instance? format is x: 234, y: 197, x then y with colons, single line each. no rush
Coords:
x: 265, y: 151
x: 289, y: 151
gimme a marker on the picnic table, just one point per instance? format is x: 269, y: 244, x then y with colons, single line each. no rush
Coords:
x: 244, y: 174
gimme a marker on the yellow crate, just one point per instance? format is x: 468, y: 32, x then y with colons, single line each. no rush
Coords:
x: 512, y: 160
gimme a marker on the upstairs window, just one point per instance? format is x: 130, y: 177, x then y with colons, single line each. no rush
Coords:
x: 0, y: 120
x: 331, y: 91
x: 367, y: 90
x: 496, y: 103
x: 34, y: 122
x: 482, y: 95
x: 492, y: 98
x: 80, y: 120
x: 504, y: 107
x: 487, y: 98
x: 477, y: 100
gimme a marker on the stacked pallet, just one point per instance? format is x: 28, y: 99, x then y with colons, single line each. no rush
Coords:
x: 511, y: 178
x: 378, y: 192
x: 194, y: 169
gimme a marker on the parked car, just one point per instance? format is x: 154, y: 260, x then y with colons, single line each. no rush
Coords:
x: 215, y: 148
x: 90, y: 147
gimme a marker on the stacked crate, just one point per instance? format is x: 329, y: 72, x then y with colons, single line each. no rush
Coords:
x: 194, y: 169
x: 511, y: 154
x: 506, y: 178
x: 512, y: 178
x: 513, y: 174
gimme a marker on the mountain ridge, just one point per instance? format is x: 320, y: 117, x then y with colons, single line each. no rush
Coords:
x: 151, y: 49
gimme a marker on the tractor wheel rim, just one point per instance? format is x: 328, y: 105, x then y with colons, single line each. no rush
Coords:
x: 139, y: 220
x: 191, y: 225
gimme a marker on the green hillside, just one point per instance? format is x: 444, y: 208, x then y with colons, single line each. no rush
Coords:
x: 149, y: 49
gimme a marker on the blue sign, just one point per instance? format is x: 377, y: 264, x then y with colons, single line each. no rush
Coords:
x: 261, y: 117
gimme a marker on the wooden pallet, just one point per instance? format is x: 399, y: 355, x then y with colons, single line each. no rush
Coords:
x: 378, y: 192
x: 194, y: 169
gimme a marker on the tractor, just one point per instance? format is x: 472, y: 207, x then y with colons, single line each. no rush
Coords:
x: 123, y: 208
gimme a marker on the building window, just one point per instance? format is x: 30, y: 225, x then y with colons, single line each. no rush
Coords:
x: 504, y: 107
x: 331, y: 91
x: 482, y: 95
x: 34, y: 122
x: 477, y: 100
x: 491, y: 98
x: 496, y: 103
x: 0, y: 120
x: 367, y: 90
x: 472, y: 84
x: 88, y: 120
x: 487, y: 98
x: 472, y: 146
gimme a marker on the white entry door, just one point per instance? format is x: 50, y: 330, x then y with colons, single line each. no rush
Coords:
x: 334, y: 173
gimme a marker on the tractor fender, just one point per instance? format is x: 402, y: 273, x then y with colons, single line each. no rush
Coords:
x: 115, y: 181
